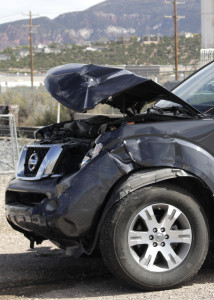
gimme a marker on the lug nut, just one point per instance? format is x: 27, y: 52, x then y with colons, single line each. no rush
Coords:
x: 151, y: 237
x: 162, y: 244
x: 162, y: 229
x: 166, y: 236
x: 155, y: 230
x: 155, y: 244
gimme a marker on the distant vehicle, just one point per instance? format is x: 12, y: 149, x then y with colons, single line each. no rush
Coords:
x: 139, y: 186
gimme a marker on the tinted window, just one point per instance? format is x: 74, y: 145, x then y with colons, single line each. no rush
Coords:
x: 198, y: 90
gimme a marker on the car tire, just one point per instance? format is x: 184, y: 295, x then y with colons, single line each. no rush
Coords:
x: 155, y: 238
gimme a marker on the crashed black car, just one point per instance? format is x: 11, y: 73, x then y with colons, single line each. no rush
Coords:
x: 139, y: 186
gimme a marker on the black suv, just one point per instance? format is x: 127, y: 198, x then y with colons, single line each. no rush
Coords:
x: 139, y: 186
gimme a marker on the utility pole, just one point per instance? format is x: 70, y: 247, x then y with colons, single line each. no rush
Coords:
x: 176, y: 17
x: 30, y: 26
x: 31, y: 48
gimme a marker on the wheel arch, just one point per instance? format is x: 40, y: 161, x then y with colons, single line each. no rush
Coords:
x: 142, y: 178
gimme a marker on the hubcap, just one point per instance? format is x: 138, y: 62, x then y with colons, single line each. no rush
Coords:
x: 159, y: 237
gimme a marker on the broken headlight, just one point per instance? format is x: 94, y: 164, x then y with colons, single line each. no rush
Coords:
x: 91, y: 154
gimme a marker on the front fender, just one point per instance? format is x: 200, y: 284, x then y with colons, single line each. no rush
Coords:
x: 81, y: 197
x: 156, y: 151
x: 133, y: 182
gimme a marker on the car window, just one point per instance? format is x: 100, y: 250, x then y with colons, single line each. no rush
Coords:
x: 197, y: 90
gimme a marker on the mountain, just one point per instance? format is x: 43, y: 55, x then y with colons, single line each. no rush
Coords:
x: 109, y: 19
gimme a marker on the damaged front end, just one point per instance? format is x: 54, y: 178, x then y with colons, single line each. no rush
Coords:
x: 63, y: 155
x: 66, y: 177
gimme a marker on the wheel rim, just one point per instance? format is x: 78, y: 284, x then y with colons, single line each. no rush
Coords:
x: 159, y: 237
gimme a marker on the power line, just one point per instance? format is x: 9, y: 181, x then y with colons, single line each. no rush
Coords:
x: 11, y: 15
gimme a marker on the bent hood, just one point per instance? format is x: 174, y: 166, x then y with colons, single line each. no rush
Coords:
x: 81, y: 87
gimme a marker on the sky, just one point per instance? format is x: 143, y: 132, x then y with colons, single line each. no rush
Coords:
x: 16, y: 10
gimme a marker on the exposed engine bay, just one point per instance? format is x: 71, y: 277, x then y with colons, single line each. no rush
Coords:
x: 78, y: 136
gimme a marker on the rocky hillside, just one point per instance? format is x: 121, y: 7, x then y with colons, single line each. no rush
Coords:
x: 109, y: 19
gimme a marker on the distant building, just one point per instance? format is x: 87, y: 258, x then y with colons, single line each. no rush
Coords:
x: 207, y: 31
x: 92, y: 49
x: 48, y: 50
x: 41, y: 46
x: 187, y: 35
x: 150, y: 39
x: 126, y: 39
x: 4, y: 57
x: 22, y: 53
x: 207, y: 24
x: 84, y: 43
x: 95, y: 48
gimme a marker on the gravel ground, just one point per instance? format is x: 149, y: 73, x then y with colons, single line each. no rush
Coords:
x: 46, y: 273
x: 6, y: 155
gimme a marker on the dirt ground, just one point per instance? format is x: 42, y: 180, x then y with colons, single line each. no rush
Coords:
x: 46, y: 273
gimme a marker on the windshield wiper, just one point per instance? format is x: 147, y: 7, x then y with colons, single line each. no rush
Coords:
x: 155, y: 109
x: 208, y: 110
x: 189, y: 113
x: 175, y: 110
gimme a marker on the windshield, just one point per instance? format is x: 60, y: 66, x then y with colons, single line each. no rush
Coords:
x: 197, y: 90
x: 201, y: 83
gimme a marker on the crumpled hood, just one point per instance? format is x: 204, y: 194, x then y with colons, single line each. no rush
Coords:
x: 81, y: 87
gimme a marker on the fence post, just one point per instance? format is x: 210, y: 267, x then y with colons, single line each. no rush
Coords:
x: 9, y: 150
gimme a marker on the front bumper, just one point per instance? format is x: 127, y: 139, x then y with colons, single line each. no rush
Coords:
x: 25, y: 205
x: 80, y: 198
x: 23, y: 217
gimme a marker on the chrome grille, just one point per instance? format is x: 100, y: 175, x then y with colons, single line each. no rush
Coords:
x: 38, y: 161
x: 41, y: 153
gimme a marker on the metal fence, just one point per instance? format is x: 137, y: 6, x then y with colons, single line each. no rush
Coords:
x: 206, y: 56
x: 9, y: 150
